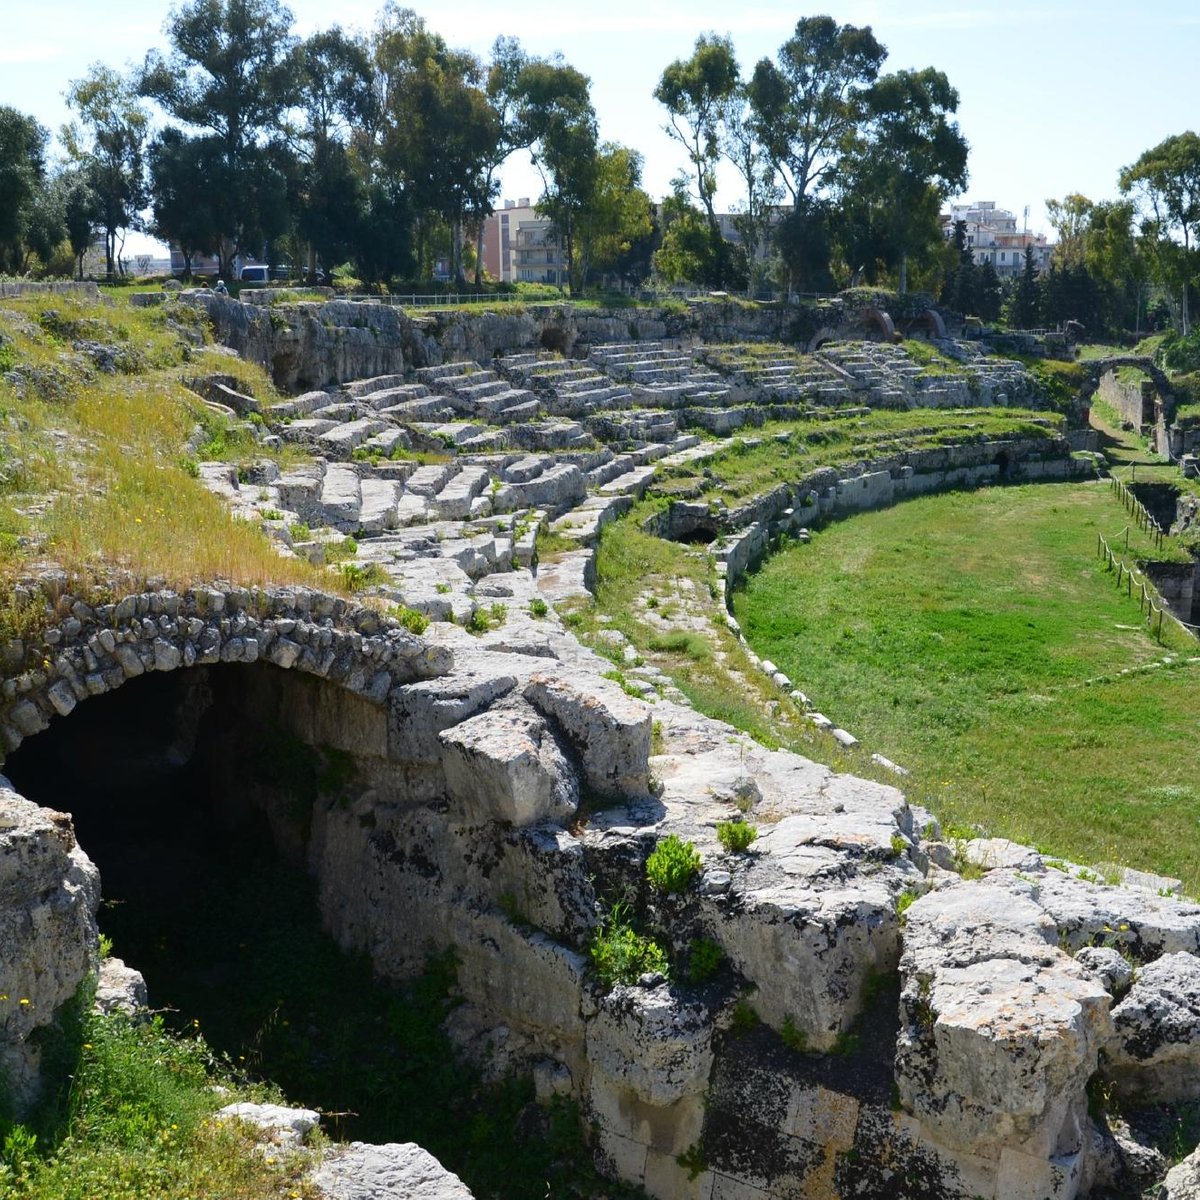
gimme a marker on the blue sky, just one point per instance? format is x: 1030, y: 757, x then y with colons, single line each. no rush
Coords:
x: 1055, y: 97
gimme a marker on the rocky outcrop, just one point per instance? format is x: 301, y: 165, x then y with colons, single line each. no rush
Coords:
x: 398, y: 1171
x: 315, y: 344
x: 49, y: 894
x: 982, y: 1010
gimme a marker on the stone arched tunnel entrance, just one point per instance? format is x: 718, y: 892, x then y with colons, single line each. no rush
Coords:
x: 462, y: 772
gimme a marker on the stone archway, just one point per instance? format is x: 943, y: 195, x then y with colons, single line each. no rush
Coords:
x: 91, y: 649
x: 928, y: 324
x: 1098, y: 368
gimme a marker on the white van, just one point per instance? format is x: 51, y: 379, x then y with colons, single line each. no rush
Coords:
x: 258, y: 273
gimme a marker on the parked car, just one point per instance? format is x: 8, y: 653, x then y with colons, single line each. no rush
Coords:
x: 256, y: 273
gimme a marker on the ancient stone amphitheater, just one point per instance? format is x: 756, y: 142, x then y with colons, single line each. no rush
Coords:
x: 918, y: 1034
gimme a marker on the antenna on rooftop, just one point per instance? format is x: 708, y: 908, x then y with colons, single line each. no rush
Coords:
x: 1026, y: 229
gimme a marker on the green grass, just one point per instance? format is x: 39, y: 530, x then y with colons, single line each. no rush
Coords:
x: 106, y: 448
x: 134, y: 1121
x: 976, y: 639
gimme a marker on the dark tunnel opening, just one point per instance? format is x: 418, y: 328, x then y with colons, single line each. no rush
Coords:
x: 194, y: 799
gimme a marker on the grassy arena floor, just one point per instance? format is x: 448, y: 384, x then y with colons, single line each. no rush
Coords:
x: 976, y: 639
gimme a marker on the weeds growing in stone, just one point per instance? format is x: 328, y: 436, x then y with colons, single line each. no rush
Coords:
x: 620, y: 954
x: 736, y: 836
x: 705, y: 959
x: 673, y: 864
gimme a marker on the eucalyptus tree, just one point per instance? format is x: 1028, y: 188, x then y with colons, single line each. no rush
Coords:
x: 753, y: 220
x: 185, y: 179
x: 504, y: 95
x: 906, y: 157
x: 558, y: 124
x: 335, y: 98
x: 618, y: 215
x: 107, y: 140
x: 697, y: 93
x: 437, y: 132
x: 22, y: 173
x: 231, y: 76
x: 807, y: 104
x: 805, y: 109
x: 1165, y: 181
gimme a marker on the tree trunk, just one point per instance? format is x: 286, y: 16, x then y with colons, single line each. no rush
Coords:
x: 903, y: 272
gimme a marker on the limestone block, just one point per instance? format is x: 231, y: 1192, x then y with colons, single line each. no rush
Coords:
x: 652, y: 1042
x: 610, y: 732
x: 397, y: 1171
x: 505, y: 764
x: 421, y: 711
x: 280, y: 1125
x: 809, y: 950
x: 1183, y: 1180
x: 119, y: 988
x: 49, y: 893
x: 522, y: 978
x: 545, y: 877
x: 1106, y: 965
x: 1084, y: 913
x: 1155, y: 1052
x: 1000, y: 1029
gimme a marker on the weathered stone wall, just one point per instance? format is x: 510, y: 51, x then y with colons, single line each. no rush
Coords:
x: 744, y: 534
x: 1001, y: 1000
x: 314, y: 345
x: 1133, y: 401
x: 89, y: 649
x: 87, y: 289
x: 49, y: 895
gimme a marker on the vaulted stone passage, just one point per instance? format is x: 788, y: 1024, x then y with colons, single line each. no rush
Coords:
x: 174, y: 766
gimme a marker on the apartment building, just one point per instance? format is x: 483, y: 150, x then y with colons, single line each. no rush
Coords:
x: 518, y: 246
x: 993, y: 236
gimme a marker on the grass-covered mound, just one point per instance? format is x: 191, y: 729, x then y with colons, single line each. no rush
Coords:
x: 94, y: 476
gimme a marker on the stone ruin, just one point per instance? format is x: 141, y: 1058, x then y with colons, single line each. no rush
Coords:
x: 949, y: 1040
x: 882, y: 1025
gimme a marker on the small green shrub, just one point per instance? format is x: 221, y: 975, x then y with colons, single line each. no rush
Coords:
x: 692, y: 1160
x: 300, y: 531
x: 846, y: 1043
x: 673, y: 864
x: 409, y: 618
x: 442, y: 589
x: 743, y: 1018
x: 620, y: 954
x: 357, y: 579
x: 477, y: 623
x: 793, y: 1037
x: 736, y: 836
x: 538, y: 607
x: 904, y: 902
x: 704, y: 959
